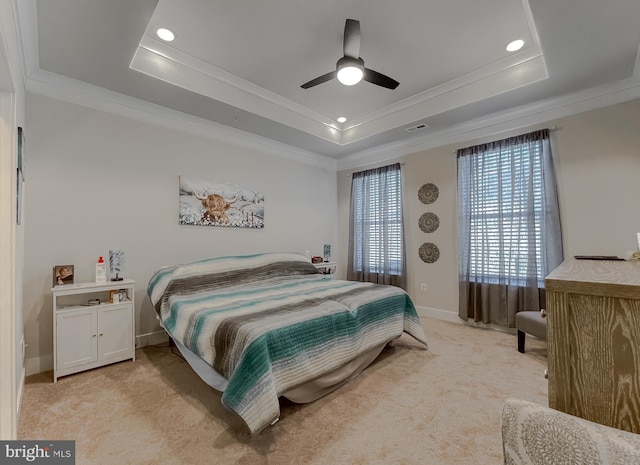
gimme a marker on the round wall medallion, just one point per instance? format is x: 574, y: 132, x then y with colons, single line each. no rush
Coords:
x: 429, y: 222
x: 429, y: 252
x: 428, y: 193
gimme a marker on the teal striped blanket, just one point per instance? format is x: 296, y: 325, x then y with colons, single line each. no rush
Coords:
x: 271, y: 322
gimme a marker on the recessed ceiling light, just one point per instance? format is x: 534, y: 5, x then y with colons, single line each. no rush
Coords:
x: 342, y: 119
x: 515, y: 45
x: 165, y: 34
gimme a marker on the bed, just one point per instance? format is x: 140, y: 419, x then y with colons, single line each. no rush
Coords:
x: 258, y: 327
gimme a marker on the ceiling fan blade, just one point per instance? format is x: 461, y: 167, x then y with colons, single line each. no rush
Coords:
x: 319, y: 80
x: 351, y: 41
x: 379, y: 79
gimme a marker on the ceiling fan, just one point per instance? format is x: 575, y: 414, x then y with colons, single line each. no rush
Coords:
x: 350, y: 68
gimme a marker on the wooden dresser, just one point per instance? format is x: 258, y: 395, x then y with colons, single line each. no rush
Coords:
x: 593, y: 333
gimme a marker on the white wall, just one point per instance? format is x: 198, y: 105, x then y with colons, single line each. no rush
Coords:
x: 99, y: 181
x: 12, y: 115
x: 597, y: 159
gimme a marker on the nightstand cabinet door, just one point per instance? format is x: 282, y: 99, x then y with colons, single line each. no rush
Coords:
x: 115, y: 327
x: 77, y: 333
x: 90, y: 336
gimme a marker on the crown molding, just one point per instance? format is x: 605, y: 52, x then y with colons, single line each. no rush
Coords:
x: 81, y: 93
x: 523, y: 116
x: 161, y: 61
x: 11, y: 48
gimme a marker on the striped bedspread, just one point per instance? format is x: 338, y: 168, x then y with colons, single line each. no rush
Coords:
x: 270, y: 322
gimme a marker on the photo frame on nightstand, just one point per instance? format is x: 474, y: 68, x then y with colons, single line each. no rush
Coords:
x: 62, y: 274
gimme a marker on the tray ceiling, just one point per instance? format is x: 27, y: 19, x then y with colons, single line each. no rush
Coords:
x: 240, y: 65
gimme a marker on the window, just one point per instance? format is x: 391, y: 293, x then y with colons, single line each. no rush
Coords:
x: 504, y: 195
x: 509, y: 234
x: 377, y: 234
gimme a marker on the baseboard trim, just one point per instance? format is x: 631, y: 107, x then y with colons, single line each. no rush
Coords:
x: 23, y: 376
x: 153, y: 338
x: 453, y: 317
x: 439, y: 314
x: 35, y: 365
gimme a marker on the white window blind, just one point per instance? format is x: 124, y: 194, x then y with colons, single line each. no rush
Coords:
x: 503, y: 192
x: 378, y: 228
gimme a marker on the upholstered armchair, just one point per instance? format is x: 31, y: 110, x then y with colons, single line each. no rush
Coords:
x: 533, y: 434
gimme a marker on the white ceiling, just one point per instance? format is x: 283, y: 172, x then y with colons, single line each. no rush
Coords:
x: 238, y: 66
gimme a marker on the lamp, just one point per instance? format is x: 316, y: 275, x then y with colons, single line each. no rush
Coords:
x: 350, y: 70
x: 116, y: 263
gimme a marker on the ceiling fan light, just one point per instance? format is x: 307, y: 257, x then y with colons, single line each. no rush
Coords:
x: 350, y: 70
x: 350, y: 75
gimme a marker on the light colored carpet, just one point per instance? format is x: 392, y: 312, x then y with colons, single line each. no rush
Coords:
x: 412, y: 406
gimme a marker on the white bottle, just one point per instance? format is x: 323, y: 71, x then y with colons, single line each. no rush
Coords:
x: 101, y: 271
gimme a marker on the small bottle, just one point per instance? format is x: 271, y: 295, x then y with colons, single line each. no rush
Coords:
x: 101, y: 271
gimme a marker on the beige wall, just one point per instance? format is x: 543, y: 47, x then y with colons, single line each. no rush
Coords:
x: 97, y: 181
x: 597, y: 158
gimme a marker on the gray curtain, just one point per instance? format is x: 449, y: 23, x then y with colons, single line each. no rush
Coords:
x: 376, y: 227
x: 509, y: 227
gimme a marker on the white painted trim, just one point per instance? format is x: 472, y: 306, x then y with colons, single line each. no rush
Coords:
x: 81, y: 93
x: 49, y: 84
x: 167, y: 63
x: 452, y: 317
x: 526, y: 115
x: 451, y: 88
x: 8, y: 374
x: 166, y: 51
x: 28, y: 28
x: 21, y: 382
x: 438, y: 314
x: 153, y: 338
x: 479, y: 324
x: 40, y: 364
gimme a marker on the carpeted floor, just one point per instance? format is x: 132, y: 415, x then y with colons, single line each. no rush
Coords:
x: 412, y: 406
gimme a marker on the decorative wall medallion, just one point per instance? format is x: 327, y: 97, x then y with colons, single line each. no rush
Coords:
x: 429, y: 222
x: 429, y: 252
x: 428, y: 193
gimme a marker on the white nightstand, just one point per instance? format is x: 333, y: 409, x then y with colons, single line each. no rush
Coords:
x: 327, y: 268
x: 90, y: 336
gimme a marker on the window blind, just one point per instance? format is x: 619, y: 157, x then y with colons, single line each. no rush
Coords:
x: 502, y: 190
x: 378, y: 218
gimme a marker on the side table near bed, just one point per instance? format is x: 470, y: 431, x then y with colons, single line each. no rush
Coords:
x: 89, y: 336
x: 327, y: 268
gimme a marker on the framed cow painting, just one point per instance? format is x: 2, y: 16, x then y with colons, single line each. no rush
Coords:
x: 211, y: 203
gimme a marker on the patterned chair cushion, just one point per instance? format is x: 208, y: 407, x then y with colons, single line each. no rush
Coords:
x: 533, y: 434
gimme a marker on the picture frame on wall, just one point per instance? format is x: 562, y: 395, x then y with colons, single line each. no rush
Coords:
x: 19, y: 175
x: 213, y: 203
x: 21, y: 153
x: 62, y: 275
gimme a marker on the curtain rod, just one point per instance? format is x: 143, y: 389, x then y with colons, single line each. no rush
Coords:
x: 551, y: 129
x: 401, y: 163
